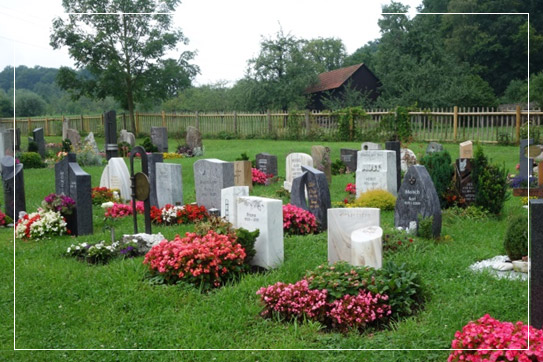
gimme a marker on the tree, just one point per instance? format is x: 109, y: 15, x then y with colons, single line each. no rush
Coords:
x: 6, y: 104
x: 122, y: 53
x: 327, y: 53
x: 29, y: 104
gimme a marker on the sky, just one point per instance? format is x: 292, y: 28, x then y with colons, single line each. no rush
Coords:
x: 225, y: 34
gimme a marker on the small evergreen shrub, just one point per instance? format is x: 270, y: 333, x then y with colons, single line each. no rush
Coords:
x: 148, y: 145
x: 491, y: 186
x: 31, y: 160
x: 66, y: 145
x: 516, y: 238
x: 338, y: 167
x: 441, y: 171
x: 424, y: 229
x: 32, y: 146
x: 380, y: 199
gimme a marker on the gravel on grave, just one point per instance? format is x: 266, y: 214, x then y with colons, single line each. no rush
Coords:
x: 489, y: 263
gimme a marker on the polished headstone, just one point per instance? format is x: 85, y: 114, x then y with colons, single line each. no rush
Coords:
x: 80, y: 191
x: 267, y: 163
x: 40, y: 141
x: 110, y: 130
x: 62, y: 174
x: 116, y: 176
x: 367, y: 247
x: 159, y: 137
x: 294, y: 163
x: 526, y: 164
x: 434, y: 147
x: 14, y: 190
x: 168, y: 184
x: 318, y: 201
x: 464, y: 181
x: 396, y: 147
x: 466, y: 149
x: 210, y: 177
x: 229, y: 202
x: 348, y: 156
x: 243, y: 174
x: 376, y: 170
x: 536, y: 272
x: 152, y: 160
x: 341, y: 223
x: 322, y: 161
x: 265, y: 215
x: 417, y: 197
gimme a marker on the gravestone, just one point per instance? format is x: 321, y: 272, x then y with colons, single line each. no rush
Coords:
x: 8, y: 143
x: 229, y: 202
x: 79, y: 190
x: 91, y: 143
x: 110, y: 129
x: 65, y: 126
x: 159, y: 137
x: 417, y: 197
x: 74, y: 137
x: 341, y: 224
x: 348, y: 156
x: 294, y: 163
x: 265, y: 215
x: 154, y: 159
x: 194, y: 140
x: 243, y: 175
x: 127, y: 137
x: 40, y: 141
x: 367, y: 247
x: 267, y: 163
x: 318, y: 195
x: 526, y: 164
x: 116, y: 176
x: 2, y: 144
x: 464, y: 181
x: 466, y: 149
x: 408, y: 159
x: 368, y: 146
x: 13, y: 140
x: 376, y: 170
x: 210, y: 177
x: 322, y: 161
x: 14, y: 188
x: 434, y: 147
x: 168, y: 184
x: 536, y: 261
x: 396, y: 147
x: 62, y: 174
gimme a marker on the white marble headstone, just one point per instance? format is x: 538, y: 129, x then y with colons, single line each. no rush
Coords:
x: 229, y: 202
x: 367, y: 247
x: 169, y: 184
x: 376, y: 170
x: 341, y: 223
x: 267, y: 216
x: 294, y: 164
x: 369, y: 146
x: 116, y: 176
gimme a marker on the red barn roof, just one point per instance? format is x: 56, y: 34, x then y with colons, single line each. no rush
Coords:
x: 333, y: 79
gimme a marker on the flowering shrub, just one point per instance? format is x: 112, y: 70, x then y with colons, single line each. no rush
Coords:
x: 355, y: 312
x: 350, y: 188
x: 489, y: 333
x: 103, y: 194
x: 205, y: 261
x: 297, y: 221
x: 260, y: 177
x: 40, y: 225
x: 171, y: 214
x: 60, y: 203
x: 4, y: 219
x: 380, y: 199
x: 169, y: 155
x: 114, y: 210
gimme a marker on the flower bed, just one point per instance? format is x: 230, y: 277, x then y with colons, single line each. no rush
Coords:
x: 260, y: 177
x: 115, y: 210
x: 487, y: 334
x: 172, y: 215
x: 41, y: 224
x: 297, y: 221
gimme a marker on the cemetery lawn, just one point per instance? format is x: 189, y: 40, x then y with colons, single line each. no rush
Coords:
x: 62, y: 303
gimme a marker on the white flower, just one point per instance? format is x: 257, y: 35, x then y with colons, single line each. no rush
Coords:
x: 107, y: 205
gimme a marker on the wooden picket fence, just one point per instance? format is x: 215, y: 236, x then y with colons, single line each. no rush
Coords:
x: 445, y: 125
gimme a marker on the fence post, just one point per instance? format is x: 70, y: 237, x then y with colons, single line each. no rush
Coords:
x: 197, y: 121
x: 81, y: 122
x: 307, y: 124
x: 268, y: 117
x: 29, y: 125
x: 163, y: 119
x: 235, y: 122
x: 455, y: 122
x: 47, y: 126
x: 137, y: 123
x: 518, y: 123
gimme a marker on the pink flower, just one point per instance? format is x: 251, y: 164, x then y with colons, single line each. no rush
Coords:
x: 298, y: 221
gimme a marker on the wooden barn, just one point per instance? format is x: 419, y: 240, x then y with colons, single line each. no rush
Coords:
x: 333, y: 84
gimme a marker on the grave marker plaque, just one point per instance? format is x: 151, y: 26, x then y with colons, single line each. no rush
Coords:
x: 140, y: 188
x: 466, y: 149
x: 62, y: 174
x: 370, y: 146
x: 267, y: 163
x: 116, y: 176
x: 434, y: 147
x: 210, y: 177
x: 464, y: 181
x: 318, y: 194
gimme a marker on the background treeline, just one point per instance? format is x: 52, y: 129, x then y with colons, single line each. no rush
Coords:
x: 427, y: 61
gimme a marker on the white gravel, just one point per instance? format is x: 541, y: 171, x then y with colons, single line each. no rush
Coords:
x: 487, y: 265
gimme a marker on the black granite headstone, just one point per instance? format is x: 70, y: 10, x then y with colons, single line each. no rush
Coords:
x: 110, y: 128
x: 159, y: 137
x: 40, y: 141
x: 79, y: 189
x: 267, y: 163
x: 153, y: 159
x: 434, y: 147
x: 349, y: 158
x: 526, y: 164
x: 396, y: 146
x: 464, y: 182
x: 536, y: 269
x: 62, y: 183
x: 417, y: 196
x: 318, y: 194
x: 14, y: 188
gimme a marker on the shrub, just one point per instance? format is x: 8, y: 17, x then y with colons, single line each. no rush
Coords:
x: 425, y: 227
x: 516, y: 238
x: 243, y: 157
x: 441, y: 171
x: 397, y: 127
x: 490, y: 181
x: 103, y: 194
x: 338, y: 167
x: 59, y: 203
x: 535, y: 132
x: 31, y: 160
x: 148, y: 145
x: 381, y: 199
x: 32, y: 146
x: 297, y: 221
x: 259, y: 177
x: 395, y: 240
x: 86, y: 156
x: 66, y: 145
x: 347, y: 120
x: 482, y: 340
x: 124, y: 149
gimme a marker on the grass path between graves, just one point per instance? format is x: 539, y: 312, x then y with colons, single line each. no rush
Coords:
x: 63, y: 303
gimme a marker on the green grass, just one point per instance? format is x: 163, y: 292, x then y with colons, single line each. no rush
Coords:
x: 63, y: 303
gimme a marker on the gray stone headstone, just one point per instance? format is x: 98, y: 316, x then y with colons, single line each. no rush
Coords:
x: 193, y: 138
x: 417, y: 196
x: 62, y: 183
x: 396, y: 146
x: 110, y: 129
x: 368, y: 146
x: 40, y: 141
x: 169, y: 184
x: 74, y: 137
x: 159, y: 137
x: 127, y: 137
x: 13, y: 181
x: 322, y: 161
x: 348, y: 157
x: 80, y: 192
x: 526, y: 164
x: 153, y: 159
x: 464, y: 181
x: 318, y: 194
x: 89, y: 140
x: 434, y: 147
x: 9, y: 142
x: 266, y: 163
x: 536, y: 269
x: 210, y: 177
x: 376, y: 170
